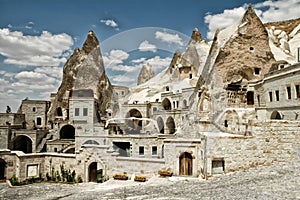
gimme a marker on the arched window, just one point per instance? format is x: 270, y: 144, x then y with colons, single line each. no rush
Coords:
x: 171, y: 125
x: 67, y: 132
x: 161, y: 126
x: 166, y: 104
x: 22, y: 143
x: 276, y: 115
x: 59, y: 112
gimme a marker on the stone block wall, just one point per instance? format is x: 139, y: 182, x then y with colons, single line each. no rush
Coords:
x: 272, y: 141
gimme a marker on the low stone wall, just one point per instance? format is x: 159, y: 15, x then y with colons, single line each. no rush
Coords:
x: 272, y: 141
x: 138, y: 166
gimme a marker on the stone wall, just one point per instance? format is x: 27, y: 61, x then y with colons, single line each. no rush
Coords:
x: 272, y: 141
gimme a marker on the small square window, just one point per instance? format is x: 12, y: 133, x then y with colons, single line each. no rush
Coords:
x: 33, y: 109
x: 141, y: 151
x: 256, y: 71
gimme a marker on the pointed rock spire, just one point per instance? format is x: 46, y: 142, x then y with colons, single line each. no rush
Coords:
x: 90, y: 43
x: 196, y: 36
x: 146, y: 74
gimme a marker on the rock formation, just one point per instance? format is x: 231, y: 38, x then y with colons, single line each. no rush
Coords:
x: 83, y: 70
x: 146, y: 74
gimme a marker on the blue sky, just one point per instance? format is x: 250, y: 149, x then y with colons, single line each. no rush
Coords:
x: 37, y: 37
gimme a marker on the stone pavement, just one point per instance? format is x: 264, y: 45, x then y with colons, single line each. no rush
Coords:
x: 278, y: 181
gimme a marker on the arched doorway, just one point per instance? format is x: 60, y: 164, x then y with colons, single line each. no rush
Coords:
x: 134, y: 125
x: 67, y: 132
x: 186, y: 164
x: 171, y: 125
x: 161, y: 126
x: 22, y: 143
x: 93, y: 172
x: 275, y: 115
x: 166, y: 104
x: 59, y: 112
x: 2, y: 169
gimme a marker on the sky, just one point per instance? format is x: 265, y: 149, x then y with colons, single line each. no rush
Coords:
x: 37, y: 37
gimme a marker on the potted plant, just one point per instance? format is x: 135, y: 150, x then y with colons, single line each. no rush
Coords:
x: 122, y: 176
x: 140, y: 178
x: 165, y: 172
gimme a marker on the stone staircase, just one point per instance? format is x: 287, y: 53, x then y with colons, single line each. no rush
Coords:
x: 49, y: 136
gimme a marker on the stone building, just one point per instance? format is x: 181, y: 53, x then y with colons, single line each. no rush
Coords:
x: 216, y: 108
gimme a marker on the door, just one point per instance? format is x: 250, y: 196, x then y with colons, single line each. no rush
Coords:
x: 93, y: 172
x: 186, y: 164
x: 2, y: 169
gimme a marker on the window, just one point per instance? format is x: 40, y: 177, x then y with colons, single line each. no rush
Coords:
x: 122, y: 93
x: 258, y: 100
x: 141, y: 151
x: 256, y: 71
x: 167, y: 88
x: 277, y: 95
x: 297, y: 88
x: 177, y: 104
x: 33, y: 109
x: 76, y: 111
x: 55, y: 149
x: 191, y: 76
x: 270, y: 96
x: 38, y: 121
x: 154, y: 109
x: 85, y: 112
x: 288, y: 91
x: 226, y: 123
x: 154, y: 150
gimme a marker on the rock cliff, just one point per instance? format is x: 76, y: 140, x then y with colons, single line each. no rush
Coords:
x: 146, y: 74
x: 83, y: 70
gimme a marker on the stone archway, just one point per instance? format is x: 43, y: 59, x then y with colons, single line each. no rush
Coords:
x: 276, y: 115
x: 134, y: 125
x: 166, y: 103
x: 186, y: 164
x: 67, y: 132
x: 92, y: 172
x: 171, y: 125
x: 22, y: 143
x: 2, y: 169
x: 161, y: 126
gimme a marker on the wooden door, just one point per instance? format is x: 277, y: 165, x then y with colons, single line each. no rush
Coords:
x: 186, y: 164
x: 93, y: 172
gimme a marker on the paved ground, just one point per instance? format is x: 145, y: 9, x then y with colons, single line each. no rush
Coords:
x: 280, y: 181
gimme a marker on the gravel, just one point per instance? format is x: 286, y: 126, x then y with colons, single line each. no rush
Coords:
x: 278, y: 181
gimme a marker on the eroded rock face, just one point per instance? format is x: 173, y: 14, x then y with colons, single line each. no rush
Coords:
x: 146, y: 74
x: 83, y: 70
x: 246, y: 56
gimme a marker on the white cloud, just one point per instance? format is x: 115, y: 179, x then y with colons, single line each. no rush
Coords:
x: 34, y: 78
x: 109, y: 22
x: 140, y: 60
x: 115, y: 61
x: 26, y: 50
x: 168, y: 37
x: 267, y: 11
x: 123, y: 79
x: 158, y: 63
x: 55, y: 72
x: 225, y: 19
x: 146, y: 46
x: 279, y: 10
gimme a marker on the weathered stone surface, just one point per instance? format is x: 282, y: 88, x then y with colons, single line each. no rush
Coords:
x: 84, y: 70
x: 146, y: 74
